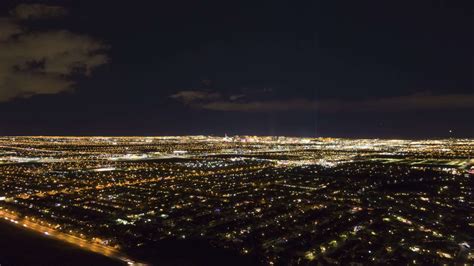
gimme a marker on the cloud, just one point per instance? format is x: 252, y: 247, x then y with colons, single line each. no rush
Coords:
x: 37, y: 11
x: 8, y: 28
x: 34, y: 63
x: 387, y: 104
x: 195, y: 96
x: 235, y: 97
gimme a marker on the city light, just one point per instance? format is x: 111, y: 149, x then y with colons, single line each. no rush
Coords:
x: 278, y: 199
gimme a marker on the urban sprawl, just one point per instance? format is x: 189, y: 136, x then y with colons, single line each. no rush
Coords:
x: 283, y: 200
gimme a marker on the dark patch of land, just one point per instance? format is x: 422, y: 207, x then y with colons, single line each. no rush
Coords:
x: 19, y: 246
x: 192, y: 252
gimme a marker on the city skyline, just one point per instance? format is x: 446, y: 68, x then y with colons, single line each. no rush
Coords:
x: 214, y: 132
x: 204, y: 200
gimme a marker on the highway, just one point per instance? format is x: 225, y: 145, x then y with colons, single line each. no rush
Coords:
x: 46, y: 229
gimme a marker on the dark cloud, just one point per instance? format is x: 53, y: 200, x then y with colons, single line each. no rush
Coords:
x: 387, y: 104
x: 8, y: 28
x: 195, y: 96
x: 43, y: 62
x: 236, y: 97
x: 37, y: 11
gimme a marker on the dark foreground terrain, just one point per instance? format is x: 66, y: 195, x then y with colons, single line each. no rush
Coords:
x: 22, y: 247
x: 19, y: 246
x: 193, y: 252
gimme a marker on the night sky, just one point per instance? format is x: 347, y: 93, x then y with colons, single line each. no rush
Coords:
x: 401, y: 69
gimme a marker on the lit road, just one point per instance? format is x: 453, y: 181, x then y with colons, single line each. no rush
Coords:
x: 40, y: 227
